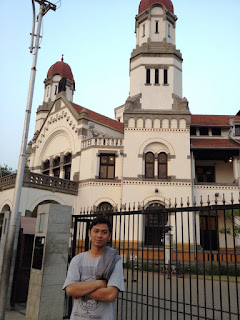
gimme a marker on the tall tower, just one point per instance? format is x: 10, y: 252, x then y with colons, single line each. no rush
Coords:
x: 156, y: 64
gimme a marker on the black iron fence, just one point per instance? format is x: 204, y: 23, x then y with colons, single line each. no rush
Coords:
x: 179, y: 263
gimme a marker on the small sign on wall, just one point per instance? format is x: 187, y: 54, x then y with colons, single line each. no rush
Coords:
x: 38, y: 253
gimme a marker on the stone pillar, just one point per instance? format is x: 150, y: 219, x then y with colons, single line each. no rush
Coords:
x: 236, y: 172
x: 49, y: 263
x: 62, y: 171
x: 51, y: 167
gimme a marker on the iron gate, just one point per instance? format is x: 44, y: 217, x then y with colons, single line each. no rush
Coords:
x: 179, y: 263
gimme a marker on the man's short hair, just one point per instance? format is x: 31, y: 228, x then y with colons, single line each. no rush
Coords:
x: 101, y: 220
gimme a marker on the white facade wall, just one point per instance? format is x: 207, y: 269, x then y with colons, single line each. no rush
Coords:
x: 156, y: 96
x: 176, y: 142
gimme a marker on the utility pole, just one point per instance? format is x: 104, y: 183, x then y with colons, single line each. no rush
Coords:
x: 45, y: 6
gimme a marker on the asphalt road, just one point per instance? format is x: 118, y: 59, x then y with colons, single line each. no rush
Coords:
x: 156, y: 297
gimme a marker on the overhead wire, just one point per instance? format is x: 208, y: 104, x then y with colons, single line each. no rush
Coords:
x: 57, y: 3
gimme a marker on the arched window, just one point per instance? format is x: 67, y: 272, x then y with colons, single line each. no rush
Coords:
x: 149, y: 165
x: 56, y: 167
x: 155, y: 224
x: 67, y: 166
x: 162, y: 165
x: 104, y: 207
x: 46, y: 167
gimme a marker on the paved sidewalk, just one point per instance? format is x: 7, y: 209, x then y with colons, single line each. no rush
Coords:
x: 18, y: 314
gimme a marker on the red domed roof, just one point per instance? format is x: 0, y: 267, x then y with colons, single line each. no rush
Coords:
x: 145, y: 4
x: 61, y: 68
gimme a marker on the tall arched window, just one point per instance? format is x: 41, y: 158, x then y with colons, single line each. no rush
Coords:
x: 149, y: 165
x: 46, y: 167
x: 162, y: 165
x: 56, y: 167
x: 67, y: 166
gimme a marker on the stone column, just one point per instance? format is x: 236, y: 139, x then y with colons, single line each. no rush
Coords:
x: 236, y: 169
x: 49, y: 263
x: 62, y: 171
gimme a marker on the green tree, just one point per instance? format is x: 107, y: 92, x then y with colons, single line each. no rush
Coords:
x: 234, y: 217
x: 5, y: 170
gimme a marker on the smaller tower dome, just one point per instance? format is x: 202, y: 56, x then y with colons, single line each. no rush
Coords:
x: 145, y: 4
x: 56, y: 73
x: 61, y: 68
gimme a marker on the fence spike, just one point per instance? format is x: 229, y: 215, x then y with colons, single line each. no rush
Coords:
x: 208, y: 200
x: 216, y: 200
x: 201, y: 201
x: 181, y: 202
x: 188, y: 202
x: 175, y: 204
x: 129, y: 207
x: 232, y: 200
x: 170, y: 203
x: 194, y: 201
x: 84, y: 210
x: 239, y: 198
x: 133, y: 206
x: 224, y: 201
x: 139, y: 207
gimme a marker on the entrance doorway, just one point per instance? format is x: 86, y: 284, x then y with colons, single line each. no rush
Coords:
x: 209, y: 232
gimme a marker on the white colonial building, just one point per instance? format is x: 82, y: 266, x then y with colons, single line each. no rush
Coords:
x: 153, y: 152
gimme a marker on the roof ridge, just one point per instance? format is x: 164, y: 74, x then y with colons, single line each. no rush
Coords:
x: 98, y: 117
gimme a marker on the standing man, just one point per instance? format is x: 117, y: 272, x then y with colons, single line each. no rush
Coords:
x: 95, y: 277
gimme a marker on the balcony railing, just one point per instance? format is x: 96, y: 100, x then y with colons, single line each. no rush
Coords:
x: 111, y: 142
x: 40, y: 181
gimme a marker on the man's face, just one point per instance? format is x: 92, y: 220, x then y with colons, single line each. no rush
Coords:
x: 100, y: 235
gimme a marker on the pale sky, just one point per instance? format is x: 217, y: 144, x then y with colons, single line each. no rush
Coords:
x: 96, y: 38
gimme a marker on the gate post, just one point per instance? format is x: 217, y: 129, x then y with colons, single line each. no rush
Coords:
x: 49, y: 263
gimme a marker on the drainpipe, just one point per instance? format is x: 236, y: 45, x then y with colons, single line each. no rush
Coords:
x: 121, y: 197
x: 194, y: 214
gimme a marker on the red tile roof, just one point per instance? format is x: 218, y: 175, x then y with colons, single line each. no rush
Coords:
x: 119, y: 126
x: 214, y: 144
x: 61, y: 68
x: 211, y: 120
x: 145, y: 4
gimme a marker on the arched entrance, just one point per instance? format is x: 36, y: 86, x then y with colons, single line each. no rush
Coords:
x: 34, y: 212
x: 155, y: 224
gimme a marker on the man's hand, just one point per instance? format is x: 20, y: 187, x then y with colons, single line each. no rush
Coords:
x: 79, y: 289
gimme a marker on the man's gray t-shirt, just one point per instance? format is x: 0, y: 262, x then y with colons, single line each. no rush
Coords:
x: 83, y: 268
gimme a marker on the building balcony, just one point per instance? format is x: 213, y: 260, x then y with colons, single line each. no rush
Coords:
x: 102, y: 142
x: 40, y: 181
